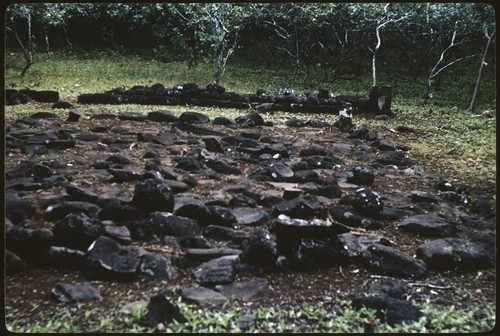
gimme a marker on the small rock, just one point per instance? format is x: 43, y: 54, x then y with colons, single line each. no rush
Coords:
x: 80, y: 291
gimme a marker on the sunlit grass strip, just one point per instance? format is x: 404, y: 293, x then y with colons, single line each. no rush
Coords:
x: 302, y: 318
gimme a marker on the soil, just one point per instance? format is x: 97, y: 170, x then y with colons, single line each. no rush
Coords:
x: 28, y: 294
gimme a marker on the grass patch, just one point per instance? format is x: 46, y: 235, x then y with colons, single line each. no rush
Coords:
x: 307, y: 317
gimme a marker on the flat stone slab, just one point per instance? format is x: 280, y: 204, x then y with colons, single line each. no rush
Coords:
x: 428, y: 224
x: 203, y: 296
x: 216, y: 271
x: 81, y: 291
x: 250, y: 290
x: 448, y: 253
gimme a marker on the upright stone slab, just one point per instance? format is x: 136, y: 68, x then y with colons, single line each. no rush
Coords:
x: 379, y: 99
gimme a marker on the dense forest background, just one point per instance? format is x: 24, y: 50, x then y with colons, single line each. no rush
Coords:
x: 345, y: 40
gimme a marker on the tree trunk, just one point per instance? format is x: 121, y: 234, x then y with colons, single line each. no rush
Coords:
x: 480, y: 71
x: 27, y: 51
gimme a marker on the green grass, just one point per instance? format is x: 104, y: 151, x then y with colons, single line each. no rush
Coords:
x: 302, y: 318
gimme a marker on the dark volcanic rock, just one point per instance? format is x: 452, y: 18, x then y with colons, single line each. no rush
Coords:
x: 77, y: 230
x: 250, y: 216
x: 161, y: 312
x: 14, y: 263
x: 351, y: 246
x: 153, y: 195
x: 225, y: 233
x: 346, y: 216
x: 155, y: 267
x: 218, y: 215
x: 203, y: 296
x: 390, y: 261
x: 393, y: 311
x: 250, y: 290
x: 216, y: 271
x: 395, y: 158
x: 66, y: 258
x: 312, y: 253
x: 194, y: 118
x: 18, y: 209
x: 428, y: 224
x: 260, y: 249
x: 299, y: 207
x: 450, y: 253
x: 205, y: 254
x: 108, y: 260
x: 289, y: 231
x: 61, y: 209
x: 133, y: 116
x: 80, y: 291
x: 163, y: 223
x: 29, y: 243
x: 360, y: 175
x: 366, y: 202
x: 162, y: 116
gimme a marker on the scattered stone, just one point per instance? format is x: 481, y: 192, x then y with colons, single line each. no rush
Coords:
x: 164, y: 223
x: 153, y: 195
x: 390, y: 261
x: 351, y: 245
x: 450, y: 253
x: 162, y: 312
x: 429, y: 225
x: 393, y: 311
x: 349, y: 217
x: 205, y: 254
x: 80, y: 291
x: 366, y: 202
x: 194, y: 118
x: 395, y: 158
x: 360, y: 175
x: 164, y: 116
x: 77, y: 230
x: 18, y: 209
x: 132, y: 116
x: 108, y: 260
x: 251, y: 290
x: 59, y: 210
x: 14, y: 263
x: 216, y: 271
x: 312, y: 253
x: 260, y: 249
x: 394, y: 288
x: 203, y: 296
x: 250, y: 216
x: 155, y: 267
x: 422, y: 196
x: 225, y: 233
x: 73, y: 116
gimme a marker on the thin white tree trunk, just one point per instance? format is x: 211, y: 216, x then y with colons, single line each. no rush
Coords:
x: 480, y: 71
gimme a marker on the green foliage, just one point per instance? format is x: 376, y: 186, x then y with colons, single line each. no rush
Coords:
x: 336, y: 37
x: 308, y: 317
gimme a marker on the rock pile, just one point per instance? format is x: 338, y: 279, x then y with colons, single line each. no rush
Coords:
x: 84, y: 195
x: 284, y: 99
